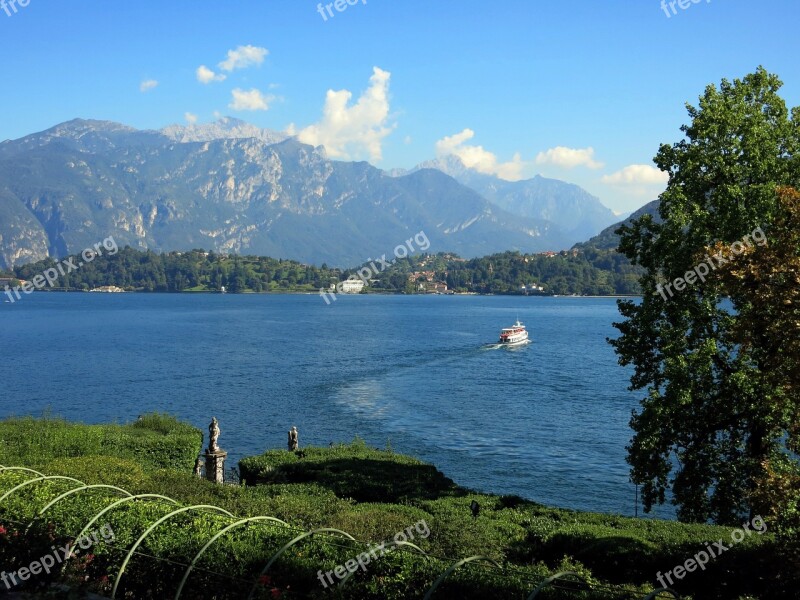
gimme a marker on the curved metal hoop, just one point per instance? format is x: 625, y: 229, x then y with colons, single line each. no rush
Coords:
x: 36, y: 480
x: 550, y: 580
x: 112, y: 506
x: 218, y: 535
x: 288, y: 545
x: 73, y: 491
x: 655, y: 593
x: 391, y: 543
x: 22, y: 469
x: 151, y: 528
x: 463, y: 561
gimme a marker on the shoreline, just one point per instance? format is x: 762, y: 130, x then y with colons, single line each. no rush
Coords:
x: 310, y: 293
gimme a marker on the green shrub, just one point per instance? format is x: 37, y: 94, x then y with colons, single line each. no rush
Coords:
x: 156, y: 441
x: 350, y: 471
x: 370, y: 494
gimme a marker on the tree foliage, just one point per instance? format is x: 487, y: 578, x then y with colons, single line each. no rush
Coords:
x: 590, y: 271
x: 716, y: 359
x: 189, y: 271
x: 586, y: 272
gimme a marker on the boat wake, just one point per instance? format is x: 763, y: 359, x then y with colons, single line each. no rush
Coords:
x: 496, y: 346
x: 491, y: 346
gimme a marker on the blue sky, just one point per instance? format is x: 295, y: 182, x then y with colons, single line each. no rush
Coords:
x: 580, y: 90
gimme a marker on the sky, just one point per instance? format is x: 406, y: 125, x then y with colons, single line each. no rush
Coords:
x: 579, y: 90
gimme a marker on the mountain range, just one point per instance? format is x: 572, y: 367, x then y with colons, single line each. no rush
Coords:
x: 233, y: 187
x: 608, y: 239
x: 576, y: 213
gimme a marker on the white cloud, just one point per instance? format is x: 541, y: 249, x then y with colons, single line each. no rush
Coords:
x: 190, y: 118
x: 243, y: 57
x: 633, y: 175
x: 357, y: 131
x: 147, y: 85
x: 480, y: 159
x: 240, y: 58
x: 249, y: 100
x: 569, y: 158
x: 206, y: 75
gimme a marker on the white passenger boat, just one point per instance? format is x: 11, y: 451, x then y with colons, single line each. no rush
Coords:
x: 514, y: 336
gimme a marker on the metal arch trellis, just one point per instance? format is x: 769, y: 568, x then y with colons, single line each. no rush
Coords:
x: 210, y: 542
x: 74, y: 491
x: 655, y: 593
x: 391, y: 543
x: 288, y: 545
x: 152, y: 527
x: 2, y: 468
x: 461, y: 562
x: 36, y: 480
x: 550, y: 580
x: 132, y: 498
x: 111, y: 507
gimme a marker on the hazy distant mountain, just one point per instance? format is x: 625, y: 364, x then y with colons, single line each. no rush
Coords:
x: 84, y: 136
x: 577, y: 213
x: 69, y: 187
x: 608, y: 239
x: 224, y: 128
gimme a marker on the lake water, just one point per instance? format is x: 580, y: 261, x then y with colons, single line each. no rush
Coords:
x: 548, y: 421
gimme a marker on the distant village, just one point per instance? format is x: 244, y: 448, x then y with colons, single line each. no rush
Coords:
x: 10, y: 282
x: 431, y: 281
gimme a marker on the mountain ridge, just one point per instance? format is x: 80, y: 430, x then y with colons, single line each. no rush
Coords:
x: 71, y: 185
x: 233, y: 187
x: 568, y: 206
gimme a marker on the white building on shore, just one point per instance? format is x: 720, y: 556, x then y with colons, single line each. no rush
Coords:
x: 348, y: 286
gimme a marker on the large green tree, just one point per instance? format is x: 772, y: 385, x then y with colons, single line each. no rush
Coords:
x: 712, y: 416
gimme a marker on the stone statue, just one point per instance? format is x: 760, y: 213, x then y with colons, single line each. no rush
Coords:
x: 198, y: 467
x: 213, y: 432
x: 293, y: 443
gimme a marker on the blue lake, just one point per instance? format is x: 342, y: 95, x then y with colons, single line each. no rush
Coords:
x: 548, y: 421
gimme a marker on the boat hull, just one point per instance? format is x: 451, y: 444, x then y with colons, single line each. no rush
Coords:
x: 525, y: 340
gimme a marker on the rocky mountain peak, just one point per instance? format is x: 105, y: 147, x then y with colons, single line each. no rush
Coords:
x: 223, y: 128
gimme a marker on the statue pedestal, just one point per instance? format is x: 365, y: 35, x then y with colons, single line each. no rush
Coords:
x: 215, y: 466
